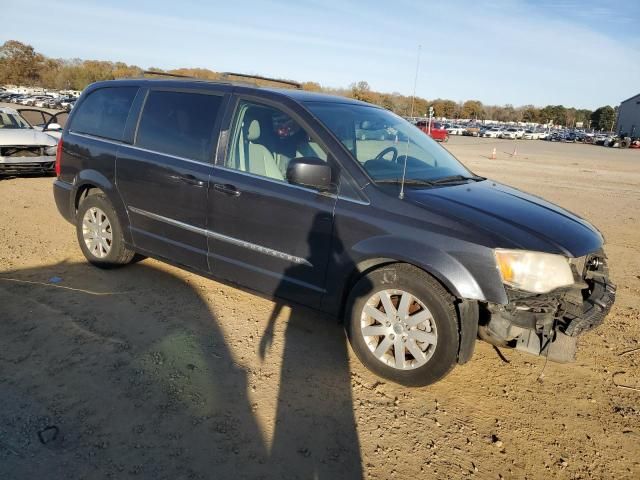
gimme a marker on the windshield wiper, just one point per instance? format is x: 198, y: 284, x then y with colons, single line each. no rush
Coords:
x: 455, y: 178
x: 407, y: 181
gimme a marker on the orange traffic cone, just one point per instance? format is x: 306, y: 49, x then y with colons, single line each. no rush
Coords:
x: 493, y: 154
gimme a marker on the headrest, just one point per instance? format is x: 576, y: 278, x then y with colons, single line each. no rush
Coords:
x: 253, y: 133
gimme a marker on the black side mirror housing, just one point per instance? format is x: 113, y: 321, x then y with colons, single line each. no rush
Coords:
x: 309, y: 172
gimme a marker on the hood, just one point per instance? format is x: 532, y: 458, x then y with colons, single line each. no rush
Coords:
x: 25, y: 137
x: 513, y: 219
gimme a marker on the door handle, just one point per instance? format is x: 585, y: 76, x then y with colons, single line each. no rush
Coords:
x: 227, y: 189
x: 188, y: 178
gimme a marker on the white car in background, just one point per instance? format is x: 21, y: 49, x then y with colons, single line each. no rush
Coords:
x: 531, y: 135
x: 455, y: 130
x: 24, y: 149
x: 42, y: 101
x: 543, y: 134
x: 493, y: 132
x: 512, y: 133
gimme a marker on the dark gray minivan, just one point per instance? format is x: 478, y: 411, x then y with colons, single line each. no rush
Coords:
x: 289, y: 193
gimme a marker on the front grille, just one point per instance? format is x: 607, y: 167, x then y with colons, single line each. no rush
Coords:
x: 21, y: 151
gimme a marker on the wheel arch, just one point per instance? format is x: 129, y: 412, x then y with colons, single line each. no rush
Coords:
x: 89, y: 181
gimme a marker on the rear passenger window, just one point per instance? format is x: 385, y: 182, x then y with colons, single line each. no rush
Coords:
x: 104, y: 112
x: 179, y: 123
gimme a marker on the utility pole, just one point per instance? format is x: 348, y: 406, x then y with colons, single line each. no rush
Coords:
x: 430, y: 117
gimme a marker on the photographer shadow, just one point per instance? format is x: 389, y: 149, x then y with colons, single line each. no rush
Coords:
x: 315, y: 427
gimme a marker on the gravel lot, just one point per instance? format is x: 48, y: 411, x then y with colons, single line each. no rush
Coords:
x: 153, y: 372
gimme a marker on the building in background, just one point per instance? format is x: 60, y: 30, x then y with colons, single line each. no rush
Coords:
x: 628, y: 123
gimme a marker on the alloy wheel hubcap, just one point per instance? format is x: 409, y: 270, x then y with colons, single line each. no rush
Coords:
x: 96, y: 232
x: 398, y: 329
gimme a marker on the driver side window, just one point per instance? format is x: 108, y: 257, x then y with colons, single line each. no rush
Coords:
x: 265, y: 140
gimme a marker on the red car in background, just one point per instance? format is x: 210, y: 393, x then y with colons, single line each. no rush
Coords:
x: 438, y: 132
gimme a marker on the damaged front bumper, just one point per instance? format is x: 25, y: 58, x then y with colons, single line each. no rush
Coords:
x: 549, y: 324
x: 27, y: 164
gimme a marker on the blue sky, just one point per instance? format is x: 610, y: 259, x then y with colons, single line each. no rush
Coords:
x: 577, y: 53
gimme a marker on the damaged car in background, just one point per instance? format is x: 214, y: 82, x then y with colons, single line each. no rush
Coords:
x: 23, y: 148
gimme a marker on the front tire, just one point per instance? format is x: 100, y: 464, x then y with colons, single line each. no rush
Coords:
x: 100, y: 234
x: 402, y: 325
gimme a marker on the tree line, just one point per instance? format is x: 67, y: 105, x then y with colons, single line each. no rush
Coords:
x: 20, y: 64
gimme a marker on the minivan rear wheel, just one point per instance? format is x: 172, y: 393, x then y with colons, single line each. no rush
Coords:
x: 402, y: 325
x: 100, y: 234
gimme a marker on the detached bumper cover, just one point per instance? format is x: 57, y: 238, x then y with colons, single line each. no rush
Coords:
x: 594, y: 309
x: 24, y: 164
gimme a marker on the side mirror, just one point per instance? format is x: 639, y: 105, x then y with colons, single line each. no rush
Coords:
x: 53, y: 127
x: 309, y: 172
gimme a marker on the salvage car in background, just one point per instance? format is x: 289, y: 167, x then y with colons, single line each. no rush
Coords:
x: 50, y: 123
x: 438, y: 132
x: 24, y: 149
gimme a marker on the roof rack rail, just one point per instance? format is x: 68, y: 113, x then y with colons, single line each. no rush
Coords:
x: 226, y: 76
x: 166, y: 74
x: 258, y: 77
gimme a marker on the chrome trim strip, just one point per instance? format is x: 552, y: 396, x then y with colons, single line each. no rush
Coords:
x: 170, y: 221
x: 223, y: 238
x: 135, y: 147
x: 259, y: 248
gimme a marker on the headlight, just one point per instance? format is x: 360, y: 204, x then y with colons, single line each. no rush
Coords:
x: 51, y: 150
x: 534, y: 272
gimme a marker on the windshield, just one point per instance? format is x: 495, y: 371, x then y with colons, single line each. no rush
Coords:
x: 12, y: 121
x: 381, y: 141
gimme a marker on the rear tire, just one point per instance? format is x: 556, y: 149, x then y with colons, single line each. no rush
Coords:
x: 425, y: 329
x: 100, y: 234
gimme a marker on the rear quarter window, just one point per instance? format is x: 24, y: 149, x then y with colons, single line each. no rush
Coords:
x: 104, y: 112
x: 179, y: 123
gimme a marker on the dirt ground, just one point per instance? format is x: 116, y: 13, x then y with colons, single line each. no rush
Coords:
x: 153, y: 372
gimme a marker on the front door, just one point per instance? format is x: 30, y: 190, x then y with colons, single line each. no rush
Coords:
x: 264, y: 232
x: 163, y: 176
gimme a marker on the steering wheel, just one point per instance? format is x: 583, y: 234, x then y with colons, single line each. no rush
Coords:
x: 387, y: 150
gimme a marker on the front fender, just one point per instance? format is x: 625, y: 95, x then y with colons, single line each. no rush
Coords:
x: 442, y: 265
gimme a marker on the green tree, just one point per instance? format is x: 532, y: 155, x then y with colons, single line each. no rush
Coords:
x: 603, y: 118
x: 554, y: 113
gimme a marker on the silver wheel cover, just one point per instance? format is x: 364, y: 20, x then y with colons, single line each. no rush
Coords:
x: 398, y: 329
x: 97, y: 233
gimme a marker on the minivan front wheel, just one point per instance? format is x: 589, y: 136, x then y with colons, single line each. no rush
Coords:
x: 100, y: 234
x: 402, y: 325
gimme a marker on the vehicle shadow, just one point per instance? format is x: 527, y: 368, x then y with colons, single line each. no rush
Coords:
x: 107, y: 374
x: 314, y: 416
